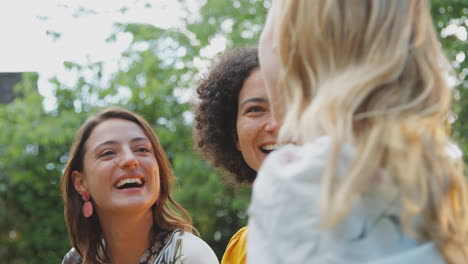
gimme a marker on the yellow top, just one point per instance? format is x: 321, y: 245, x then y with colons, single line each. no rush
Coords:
x: 236, y: 248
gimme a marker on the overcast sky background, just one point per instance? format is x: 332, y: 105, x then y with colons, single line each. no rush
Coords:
x: 27, y: 29
x: 83, y: 25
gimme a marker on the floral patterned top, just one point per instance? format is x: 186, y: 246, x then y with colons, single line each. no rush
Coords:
x: 174, y: 247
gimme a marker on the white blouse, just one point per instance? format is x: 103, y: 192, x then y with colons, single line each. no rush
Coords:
x: 284, y: 218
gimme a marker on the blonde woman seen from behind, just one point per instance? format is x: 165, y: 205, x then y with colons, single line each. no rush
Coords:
x: 368, y: 176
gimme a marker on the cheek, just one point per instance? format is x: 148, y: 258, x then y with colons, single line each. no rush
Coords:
x: 153, y: 167
x: 243, y: 134
x: 156, y: 191
x: 101, y: 174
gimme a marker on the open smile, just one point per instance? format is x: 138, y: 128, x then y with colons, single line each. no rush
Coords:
x: 267, y: 148
x: 129, y: 183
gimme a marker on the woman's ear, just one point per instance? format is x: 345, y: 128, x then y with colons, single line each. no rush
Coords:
x: 236, y: 142
x: 79, y: 182
x: 238, y: 145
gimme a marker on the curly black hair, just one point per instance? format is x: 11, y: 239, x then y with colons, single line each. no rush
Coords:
x: 216, y: 113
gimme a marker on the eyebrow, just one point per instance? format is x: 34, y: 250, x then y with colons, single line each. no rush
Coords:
x: 253, y: 100
x: 113, y: 142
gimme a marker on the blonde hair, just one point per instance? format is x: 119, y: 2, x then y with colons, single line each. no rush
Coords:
x: 372, y: 73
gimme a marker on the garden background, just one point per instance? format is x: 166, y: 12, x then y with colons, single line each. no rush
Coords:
x: 156, y: 77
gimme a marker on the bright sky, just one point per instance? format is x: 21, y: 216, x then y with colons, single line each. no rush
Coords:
x: 84, y: 25
x: 26, y: 46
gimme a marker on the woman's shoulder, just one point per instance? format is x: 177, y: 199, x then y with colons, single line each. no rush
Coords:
x: 72, y: 257
x: 184, y: 247
x: 236, y: 249
x: 297, y: 169
x: 302, y: 160
x: 238, y: 239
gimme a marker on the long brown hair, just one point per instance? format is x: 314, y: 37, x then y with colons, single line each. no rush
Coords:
x: 372, y: 73
x: 86, y: 234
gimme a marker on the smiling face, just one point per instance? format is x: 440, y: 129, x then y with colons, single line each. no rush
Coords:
x: 120, y: 170
x: 256, y: 130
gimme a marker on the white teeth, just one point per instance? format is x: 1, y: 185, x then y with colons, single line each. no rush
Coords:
x: 128, y: 180
x: 270, y: 147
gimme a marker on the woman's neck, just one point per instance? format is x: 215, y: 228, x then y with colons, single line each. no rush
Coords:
x: 127, y: 236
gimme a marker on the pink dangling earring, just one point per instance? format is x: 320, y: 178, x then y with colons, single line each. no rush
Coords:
x: 87, y: 206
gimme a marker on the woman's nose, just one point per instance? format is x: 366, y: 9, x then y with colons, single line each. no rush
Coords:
x: 128, y: 161
x: 272, y: 126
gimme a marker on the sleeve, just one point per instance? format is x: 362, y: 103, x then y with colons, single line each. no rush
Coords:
x: 72, y: 257
x: 236, y: 249
x: 196, y: 251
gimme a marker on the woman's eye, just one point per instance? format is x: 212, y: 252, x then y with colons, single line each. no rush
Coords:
x: 143, y: 149
x: 107, y: 153
x: 254, y: 109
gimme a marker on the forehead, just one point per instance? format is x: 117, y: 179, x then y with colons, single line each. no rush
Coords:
x: 253, y: 86
x: 114, y: 129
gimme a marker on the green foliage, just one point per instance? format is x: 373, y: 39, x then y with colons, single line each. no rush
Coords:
x: 454, y: 13
x: 158, y: 67
x: 32, y: 149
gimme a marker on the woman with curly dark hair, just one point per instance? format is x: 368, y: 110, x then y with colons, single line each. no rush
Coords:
x: 234, y: 128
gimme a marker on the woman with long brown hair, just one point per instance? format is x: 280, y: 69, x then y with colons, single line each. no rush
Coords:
x: 116, y: 189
